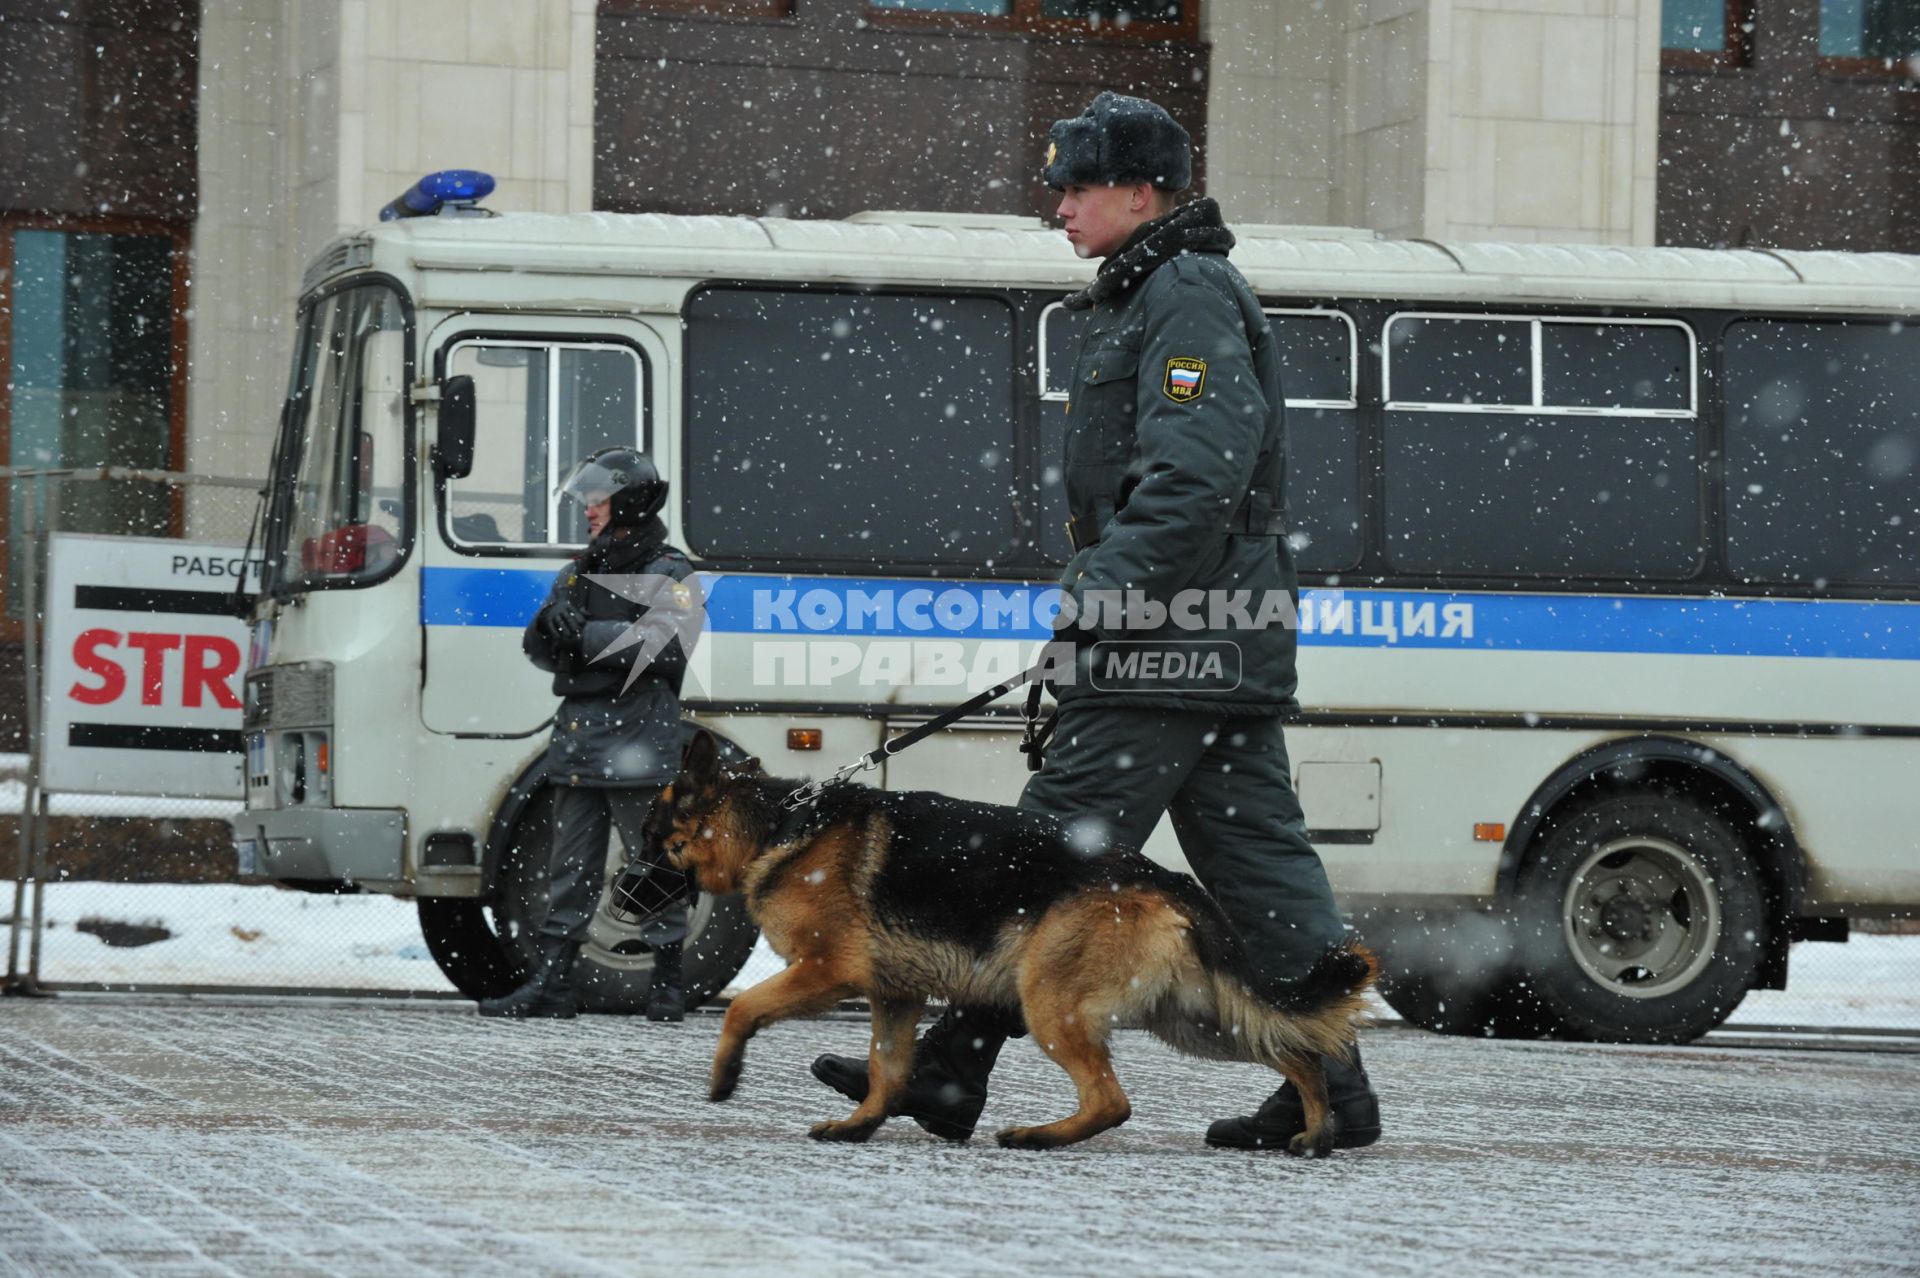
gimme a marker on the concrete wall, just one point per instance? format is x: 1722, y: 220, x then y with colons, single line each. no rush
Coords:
x: 313, y: 114
x: 1272, y: 117
x: 242, y: 278
x: 1449, y: 119
x: 1543, y: 120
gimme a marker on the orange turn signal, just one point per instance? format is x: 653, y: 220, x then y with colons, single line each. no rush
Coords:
x: 1489, y: 832
x: 803, y: 738
x: 320, y: 756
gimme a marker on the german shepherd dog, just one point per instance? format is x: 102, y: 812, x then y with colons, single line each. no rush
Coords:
x: 903, y: 896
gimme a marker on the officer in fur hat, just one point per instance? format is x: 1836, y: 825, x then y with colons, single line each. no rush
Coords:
x: 615, y: 632
x: 1175, y: 470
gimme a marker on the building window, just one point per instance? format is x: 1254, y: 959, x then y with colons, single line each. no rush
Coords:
x: 1872, y: 34
x: 92, y: 342
x: 1144, y: 19
x: 1705, y: 33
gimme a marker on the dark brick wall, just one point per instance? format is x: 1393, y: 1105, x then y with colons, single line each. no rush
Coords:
x: 97, y: 107
x: 823, y: 114
x: 1843, y: 174
x: 13, y: 699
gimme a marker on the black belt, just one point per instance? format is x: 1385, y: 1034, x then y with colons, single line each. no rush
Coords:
x: 1256, y: 517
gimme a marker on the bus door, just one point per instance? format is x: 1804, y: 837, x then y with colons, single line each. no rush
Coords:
x: 548, y: 391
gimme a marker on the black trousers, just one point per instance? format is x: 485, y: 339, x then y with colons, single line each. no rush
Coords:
x: 1110, y: 772
x: 583, y: 818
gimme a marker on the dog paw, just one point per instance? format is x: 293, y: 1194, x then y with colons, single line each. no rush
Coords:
x: 1021, y: 1138
x: 1306, y: 1146
x: 841, y: 1130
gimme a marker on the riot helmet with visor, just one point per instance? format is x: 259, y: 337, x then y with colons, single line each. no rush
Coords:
x: 625, y: 478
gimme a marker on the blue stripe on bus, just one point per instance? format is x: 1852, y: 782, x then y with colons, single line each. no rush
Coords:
x: 821, y: 607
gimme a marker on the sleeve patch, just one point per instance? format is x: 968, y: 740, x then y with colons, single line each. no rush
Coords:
x: 1185, y: 379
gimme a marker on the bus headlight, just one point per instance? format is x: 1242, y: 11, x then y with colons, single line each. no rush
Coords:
x: 305, y: 771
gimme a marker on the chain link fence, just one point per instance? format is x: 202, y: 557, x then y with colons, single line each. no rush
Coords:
x: 122, y: 884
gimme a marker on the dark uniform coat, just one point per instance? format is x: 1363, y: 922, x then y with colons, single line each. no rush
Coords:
x: 1175, y: 464
x: 609, y: 732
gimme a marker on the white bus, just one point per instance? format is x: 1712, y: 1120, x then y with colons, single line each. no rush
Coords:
x: 1610, y: 565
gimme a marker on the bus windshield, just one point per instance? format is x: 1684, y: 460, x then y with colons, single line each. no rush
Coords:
x: 340, y: 503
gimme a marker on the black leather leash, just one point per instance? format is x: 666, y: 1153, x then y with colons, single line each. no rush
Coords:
x: 1031, y: 744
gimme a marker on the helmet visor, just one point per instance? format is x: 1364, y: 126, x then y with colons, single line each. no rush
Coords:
x: 593, y: 482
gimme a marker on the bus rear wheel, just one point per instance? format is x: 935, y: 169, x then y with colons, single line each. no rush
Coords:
x: 1640, y: 919
x: 615, y: 967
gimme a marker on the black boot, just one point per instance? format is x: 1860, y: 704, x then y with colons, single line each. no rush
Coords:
x: 948, y: 1086
x: 666, y: 999
x: 548, y: 993
x: 1356, y: 1112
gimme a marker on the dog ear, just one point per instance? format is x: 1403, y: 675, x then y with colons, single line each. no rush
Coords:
x: 702, y: 759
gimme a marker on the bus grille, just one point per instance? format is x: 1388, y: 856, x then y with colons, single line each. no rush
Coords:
x: 290, y: 697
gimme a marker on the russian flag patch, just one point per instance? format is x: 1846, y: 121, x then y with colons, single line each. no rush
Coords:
x: 1185, y: 379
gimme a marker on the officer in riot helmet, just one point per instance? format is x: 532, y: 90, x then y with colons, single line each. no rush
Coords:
x: 615, y: 631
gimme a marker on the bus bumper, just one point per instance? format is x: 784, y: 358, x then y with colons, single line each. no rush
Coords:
x: 343, y: 845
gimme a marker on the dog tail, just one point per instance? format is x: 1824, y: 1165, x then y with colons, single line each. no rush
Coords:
x: 1317, y: 1013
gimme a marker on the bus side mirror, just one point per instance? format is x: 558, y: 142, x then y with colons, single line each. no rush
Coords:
x: 453, y: 450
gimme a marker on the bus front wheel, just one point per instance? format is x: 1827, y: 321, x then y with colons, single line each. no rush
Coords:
x: 1640, y: 918
x: 615, y: 967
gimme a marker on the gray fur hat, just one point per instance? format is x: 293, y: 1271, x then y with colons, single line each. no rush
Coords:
x: 1119, y: 140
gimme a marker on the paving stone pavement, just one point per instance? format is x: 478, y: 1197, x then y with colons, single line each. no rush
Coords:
x: 157, y: 1136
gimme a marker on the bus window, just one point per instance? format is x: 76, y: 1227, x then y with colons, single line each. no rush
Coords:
x: 1823, y: 452
x: 1512, y: 477
x: 1316, y: 357
x: 1317, y: 374
x: 1060, y: 331
x: 539, y: 407
x: 1638, y: 367
x: 342, y: 514
x: 850, y: 426
x: 1439, y: 359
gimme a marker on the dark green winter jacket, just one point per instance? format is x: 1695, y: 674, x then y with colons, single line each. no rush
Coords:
x: 616, y: 726
x: 1175, y: 467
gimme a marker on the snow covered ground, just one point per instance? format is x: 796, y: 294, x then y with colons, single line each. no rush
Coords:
x: 263, y: 936
x: 222, y: 1136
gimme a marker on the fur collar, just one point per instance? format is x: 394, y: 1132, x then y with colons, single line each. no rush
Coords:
x: 1191, y: 228
x: 625, y: 549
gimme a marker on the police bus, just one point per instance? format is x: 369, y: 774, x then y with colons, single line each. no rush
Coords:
x: 1610, y: 609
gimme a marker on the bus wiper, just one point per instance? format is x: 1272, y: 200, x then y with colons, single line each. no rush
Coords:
x: 240, y: 603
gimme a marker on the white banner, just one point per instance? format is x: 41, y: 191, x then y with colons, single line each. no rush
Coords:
x: 144, y: 663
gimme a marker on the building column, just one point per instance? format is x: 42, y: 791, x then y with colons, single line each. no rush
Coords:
x: 315, y: 113
x: 1517, y: 120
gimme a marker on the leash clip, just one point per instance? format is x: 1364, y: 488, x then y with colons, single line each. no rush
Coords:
x: 812, y: 790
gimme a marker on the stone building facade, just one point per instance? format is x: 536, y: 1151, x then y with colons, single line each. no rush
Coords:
x: 207, y: 150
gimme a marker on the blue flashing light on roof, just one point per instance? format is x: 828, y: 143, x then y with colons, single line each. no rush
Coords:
x: 450, y: 190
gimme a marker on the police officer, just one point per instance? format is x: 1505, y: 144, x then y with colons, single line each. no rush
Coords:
x: 616, y: 631
x: 1175, y: 469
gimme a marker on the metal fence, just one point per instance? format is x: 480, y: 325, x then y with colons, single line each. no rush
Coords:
x: 121, y: 888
